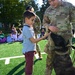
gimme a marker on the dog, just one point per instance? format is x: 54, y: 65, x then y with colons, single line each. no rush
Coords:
x: 62, y: 63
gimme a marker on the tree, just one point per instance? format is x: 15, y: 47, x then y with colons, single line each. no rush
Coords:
x: 11, y: 11
x: 42, y: 9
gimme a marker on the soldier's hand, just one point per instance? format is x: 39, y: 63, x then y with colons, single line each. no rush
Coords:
x: 53, y: 29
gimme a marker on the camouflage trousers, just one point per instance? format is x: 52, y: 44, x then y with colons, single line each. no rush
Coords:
x: 38, y: 50
x: 49, y: 64
x: 49, y: 60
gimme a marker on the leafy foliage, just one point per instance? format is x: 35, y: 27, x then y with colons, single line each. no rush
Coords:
x: 11, y: 11
x: 42, y: 9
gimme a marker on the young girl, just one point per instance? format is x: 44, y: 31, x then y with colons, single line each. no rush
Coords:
x: 29, y: 41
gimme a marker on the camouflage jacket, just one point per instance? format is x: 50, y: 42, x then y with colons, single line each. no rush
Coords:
x: 60, y: 17
x: 37, y: 25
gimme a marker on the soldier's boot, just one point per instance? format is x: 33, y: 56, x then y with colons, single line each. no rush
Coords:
x: 40, y: 55
x: 48, y: 71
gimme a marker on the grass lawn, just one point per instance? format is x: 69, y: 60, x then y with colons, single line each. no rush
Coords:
x: 16, y: 65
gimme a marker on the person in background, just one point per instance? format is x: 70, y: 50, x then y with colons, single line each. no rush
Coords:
x: 29, y: 41
x: 42, y: 32
x: 36, y: 27
x: 14, y: 34
x: 2, y: 37
x: 57, y: 18
x: 20, y: 38
x: 9, y: 38
x: 1, y: 34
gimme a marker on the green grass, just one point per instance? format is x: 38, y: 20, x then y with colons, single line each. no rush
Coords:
x: 15, y: 49
x: 16, y: 66
x: 7, y: 50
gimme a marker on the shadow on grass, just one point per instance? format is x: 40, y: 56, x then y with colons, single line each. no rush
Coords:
x: 18, y: 66
x: 36, y: 60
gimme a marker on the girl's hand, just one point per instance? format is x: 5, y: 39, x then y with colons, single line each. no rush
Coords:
x: 46, y: 35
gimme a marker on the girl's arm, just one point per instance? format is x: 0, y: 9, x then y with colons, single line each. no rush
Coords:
x: 39, y: 39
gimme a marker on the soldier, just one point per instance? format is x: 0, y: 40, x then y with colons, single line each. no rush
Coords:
x: 58, y: 17
x: 36, y: 26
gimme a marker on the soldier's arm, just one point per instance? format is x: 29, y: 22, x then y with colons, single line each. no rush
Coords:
x: 73, y: 18
x: 39, y: 20
x: 47, y: 24
x: 46, y: 21
x: 37, y: 25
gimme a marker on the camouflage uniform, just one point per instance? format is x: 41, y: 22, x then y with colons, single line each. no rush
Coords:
x: 36, y: 26
x: 59, y: 17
